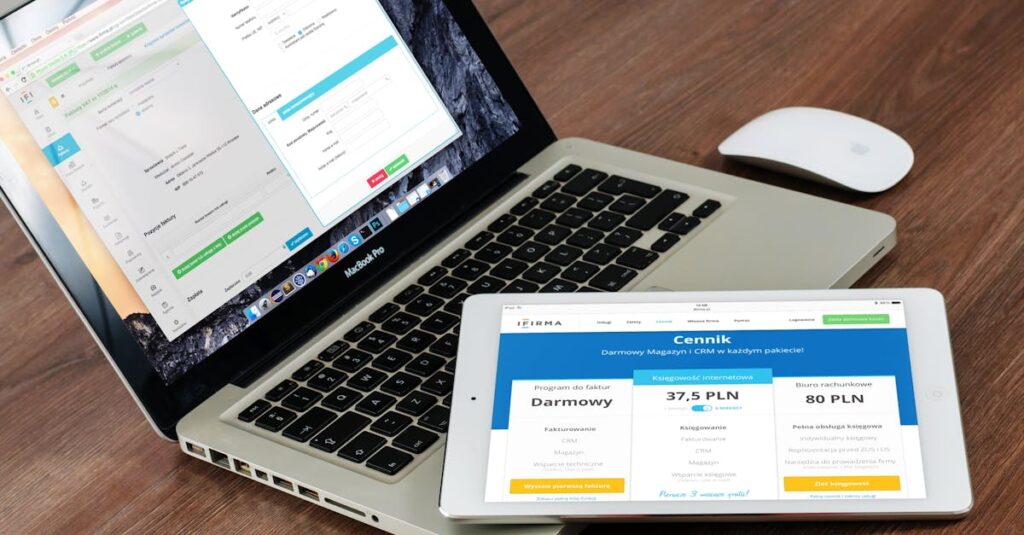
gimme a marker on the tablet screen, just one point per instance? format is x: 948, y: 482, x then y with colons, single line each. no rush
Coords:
x: 786, y: 400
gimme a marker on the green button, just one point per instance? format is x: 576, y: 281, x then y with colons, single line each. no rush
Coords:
x: 243, y: 227
x: 199, y: 258
x: 855, y: 319
x: 399, y: 163
x: 63, y: 74
x: 114, y: 44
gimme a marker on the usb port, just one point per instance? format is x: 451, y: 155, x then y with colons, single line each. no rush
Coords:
x: 283, y: 483
x: 196, y: 449
x: 309, y: 493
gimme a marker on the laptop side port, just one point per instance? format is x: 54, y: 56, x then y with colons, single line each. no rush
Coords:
x: 220, y: 459
x: 284, y: 484
x: 243, y: 468
x: 261, y: 474
x: 344, y: 507
x: 309, y: 493
x: 196, y: 449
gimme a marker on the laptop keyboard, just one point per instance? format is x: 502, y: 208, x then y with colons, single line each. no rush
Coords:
x: 382, y: 394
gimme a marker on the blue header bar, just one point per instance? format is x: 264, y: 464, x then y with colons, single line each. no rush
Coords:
x: 336, y: 78
x: 734, y: 376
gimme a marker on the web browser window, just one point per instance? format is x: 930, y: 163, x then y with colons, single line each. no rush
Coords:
x: 224, y: 154
x: 704, y: 401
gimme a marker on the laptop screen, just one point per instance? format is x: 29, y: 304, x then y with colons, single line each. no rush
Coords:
x: 211, y: 159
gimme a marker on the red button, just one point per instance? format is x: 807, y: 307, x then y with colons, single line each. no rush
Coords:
x: 377, y: 178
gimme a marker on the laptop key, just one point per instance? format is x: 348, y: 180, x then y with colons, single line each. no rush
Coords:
x: 684, y: 225
x: 341, y: 399
x: 455, y: 258
x: 416, y: 341
x: 389, y: 460
x: 359, y: 331
x: 275, y: 419
x: 520, y: 287
x: 568, y: 172
x: 440, y: 322
x: 430, y: 277
x: 454, y: 305
x: 637, y: 258
x: 558, y: 202
x: 361, y: 447
x: 425, y: 305
x: 450, y: 367
x: 301, y: 400
x: 545, y: 189
x: 470, y: 270
x: 400, y: 384
x: 553, y: 234
x: 636, y: 187
x: 493, y: 252
x: 536, y: 219
x: 563, y: 255
x: 251, y: 412
x: 325, y: 380
x: 366, y: 379
x: 339, y: 432
x: 595, y: 201
x: 308, y: 424
x: 515, y: 235
x: 447, y: 287
x: 501, y: 223
x: 424, y: 365
x: 437, y: 417
x: 623, y: 237
x: 416, y: 403
x: 541, y: 272
x: 707, y: 208
x: 670, y: 220
x: 524, y: 206
x: 485, y: 285
x: 332, y: 351
x: 627, y: 204
x: 446, y: 346
x: 656, y: 210
x: 391, y: 360
x: 440, y: 384
x: 415, y: 440
x: 665, y: 242
x: 408, y: 294
x: 479, y: 240
x: 391, y: 424
x: 585, y: 238
x: 580, y: 271
x: 377, y: 341
x: 612, y: 278
x: 602, y: 253
x: 281, y: 390
x: 352, y: 360
x: 558, y: 286
x: 400, y: 323
x: 574, y: 217
x: 584, y: 182
x: 531, y: 251
x: 509, y: 269
x: 606, y: 221
x: 375, y: 403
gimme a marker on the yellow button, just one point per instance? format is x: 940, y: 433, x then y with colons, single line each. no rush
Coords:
x: 840, y: 483
x: 568, y: 486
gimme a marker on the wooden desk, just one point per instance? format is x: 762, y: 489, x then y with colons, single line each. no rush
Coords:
x: 670, y: 78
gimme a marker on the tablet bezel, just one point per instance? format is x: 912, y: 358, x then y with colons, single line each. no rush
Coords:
x: 947, y: 482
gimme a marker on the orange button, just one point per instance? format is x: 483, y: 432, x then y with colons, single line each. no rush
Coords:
x: 840, y: 483
x: 568, y: 486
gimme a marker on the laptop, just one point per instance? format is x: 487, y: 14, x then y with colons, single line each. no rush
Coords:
x: 269, y: 213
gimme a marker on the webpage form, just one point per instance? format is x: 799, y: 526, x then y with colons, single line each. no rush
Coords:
x: 704, y: 401
x: 353, y: 113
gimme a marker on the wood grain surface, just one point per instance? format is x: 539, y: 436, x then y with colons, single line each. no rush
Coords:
x: 670, y: 78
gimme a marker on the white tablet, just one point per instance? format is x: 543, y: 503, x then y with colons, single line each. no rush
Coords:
x: 782, y: 404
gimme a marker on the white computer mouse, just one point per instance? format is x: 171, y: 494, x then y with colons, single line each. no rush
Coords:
x: 826, y: 146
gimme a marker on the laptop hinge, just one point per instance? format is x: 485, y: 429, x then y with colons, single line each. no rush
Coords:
x: 259, y: 367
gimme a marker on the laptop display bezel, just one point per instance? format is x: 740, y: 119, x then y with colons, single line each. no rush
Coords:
x: 329, y: 297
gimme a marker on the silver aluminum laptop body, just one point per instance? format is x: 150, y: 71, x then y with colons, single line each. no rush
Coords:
x: 762, y: 237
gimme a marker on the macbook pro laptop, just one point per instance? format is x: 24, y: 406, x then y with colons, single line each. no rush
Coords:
x: 268, y: 214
